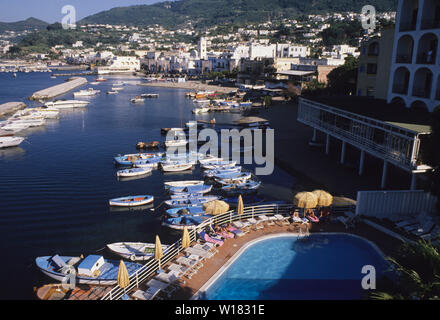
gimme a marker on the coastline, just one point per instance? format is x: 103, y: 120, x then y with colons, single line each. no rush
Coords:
x: 189, y: 85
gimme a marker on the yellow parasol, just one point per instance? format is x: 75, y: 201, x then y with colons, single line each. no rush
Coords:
x: 185, y: 238
x: 240, y: 206
x: 215, y: 207
x: 305, y: 200
x: 123, y: 279
x: 158, y: 252
x: 325, y: 199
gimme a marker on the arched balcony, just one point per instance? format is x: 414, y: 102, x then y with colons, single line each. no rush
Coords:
x: 401, y: 81
x: 422, y: 83
x: 427, y: 51
x: 431, y: 14
x: 405, y: 47
x: 408, y: 16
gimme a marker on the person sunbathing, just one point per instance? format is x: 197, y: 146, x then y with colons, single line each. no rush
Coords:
x: 311, y: 216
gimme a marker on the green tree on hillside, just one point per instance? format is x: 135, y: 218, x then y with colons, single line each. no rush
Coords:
x: 342, y: 80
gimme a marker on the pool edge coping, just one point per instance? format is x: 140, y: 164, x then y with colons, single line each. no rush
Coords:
x: 224, y: 267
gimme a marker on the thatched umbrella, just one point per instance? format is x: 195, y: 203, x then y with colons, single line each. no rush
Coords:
x: 240, y: 206
x: 305, y: 200
x: 215, y: 207
x: 185, y: 238
x: 325, y: 199
x: 158, y: 251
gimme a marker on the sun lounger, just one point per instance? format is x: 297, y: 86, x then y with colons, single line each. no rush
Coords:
x: 183, y: 271
x: 188, y: 262
x: 237, y: 232
x: 264, y: 219
x: 282, y: 219
x: 171, y: 277
x: 405, y: 223
x: 207, y: 246
x: 165, y: 287
x: 205, y: 254
x: 210, y: 239
x: 148, y: 294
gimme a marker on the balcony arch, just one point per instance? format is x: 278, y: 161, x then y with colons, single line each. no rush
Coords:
x: 431, y: 14
x: 419, y: 106
x: 398, y: 102
x: 401, y: 81
x: 422, y: 83
x: 427, y: 50
x: 408, y: 15
x: 405, y: 47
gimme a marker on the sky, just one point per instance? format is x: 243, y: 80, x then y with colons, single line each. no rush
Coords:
x: 50, y: 10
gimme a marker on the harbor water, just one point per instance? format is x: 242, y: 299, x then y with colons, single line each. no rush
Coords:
x: 55, y: 187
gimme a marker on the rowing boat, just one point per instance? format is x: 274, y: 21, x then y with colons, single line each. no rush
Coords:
x: 134, y: 251
x: 131, y: 201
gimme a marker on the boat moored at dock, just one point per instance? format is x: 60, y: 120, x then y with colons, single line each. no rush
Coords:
x: 131, y: 201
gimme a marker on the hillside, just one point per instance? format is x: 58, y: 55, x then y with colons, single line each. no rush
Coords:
x: 210, y: 12
x: 27, y: 24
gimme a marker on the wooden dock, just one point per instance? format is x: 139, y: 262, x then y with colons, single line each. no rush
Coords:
x: 59, y: 89
x: 11, y: 107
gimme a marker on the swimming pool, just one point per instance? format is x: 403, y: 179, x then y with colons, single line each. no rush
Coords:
x: 287, y: 267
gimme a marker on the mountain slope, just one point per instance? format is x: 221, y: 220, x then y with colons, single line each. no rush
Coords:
x: 211, y: 12
x: 27, y: 24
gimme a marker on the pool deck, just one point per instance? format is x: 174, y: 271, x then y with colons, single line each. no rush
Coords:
x: 230, y: 247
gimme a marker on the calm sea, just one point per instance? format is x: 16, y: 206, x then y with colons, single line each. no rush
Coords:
x: 55, y: 187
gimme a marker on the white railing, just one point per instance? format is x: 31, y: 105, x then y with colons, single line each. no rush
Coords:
x: 152, y: 266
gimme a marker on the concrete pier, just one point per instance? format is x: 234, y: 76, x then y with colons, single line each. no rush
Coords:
x: 59, y: 89
x: 11, y: 107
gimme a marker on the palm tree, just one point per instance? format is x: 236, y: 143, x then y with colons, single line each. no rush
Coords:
x: 415, y: 277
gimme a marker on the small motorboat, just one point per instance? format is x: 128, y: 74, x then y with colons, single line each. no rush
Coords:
x: 217, y: 164
x: 148, y: 163
x: 185, y: 195
x: 201, y: 110
x: 183, y: 184
x: 131, y: 201
x: 7, y: 141
x: 93, y: 269
x: 180, y: 211
x: 212, y: 173
x: 247, y: 187
x: 211, y: 161
x: 86, y: 93
x: 112, y: 92
x: 231, y: 177
x: 176, y: 167
x: 150, y: 95
x: 189, y: 202
x: 129, y: 159
x: 191, y: 189
x: 135, y: 251
x: 188, y: 221
x: 137, y: 100
x: 176, y: 143
x: 100, y: 79
x: 133, y: 172
x: 147, y: 145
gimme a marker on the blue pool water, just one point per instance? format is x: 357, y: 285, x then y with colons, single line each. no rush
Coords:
x: 288, y: 268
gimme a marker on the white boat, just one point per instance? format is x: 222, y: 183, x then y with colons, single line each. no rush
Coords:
x: 189, y: 202
x: 94, y: 83
x: 137, y: 99
x: 6, y: 142
x: 117, y: 88
x: 201, y: 110
x: 228, y: 178
x: 135, y: 251
x: 150, y: 95
x: 176, y: 143
x: 93, y: 269
x: 131, y: 201
x: 210, y: 161
x: 30, y: 122
x: 191, y: 189
x: 86, y: 93
x: 183, y: 184
x: 242, y: 188
x: 133, y: 172
x: 112, y: 92
x: 212, y: 165
x: 14, y: 127
x: 62, y: 104
x: 176, y: 167
x: 212, y: 173
x: 202, y: 102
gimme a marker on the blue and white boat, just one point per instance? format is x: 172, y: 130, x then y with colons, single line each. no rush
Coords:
x: 179, y: 223
x: 191, y: 189
x: 212, y: 173
x: 189, y: 202
x: 129, y: 159
x: 133, y: 172
x: 179, y: 211
x: 93, y: 269
x: 231, y: 177
x: 132, y: 201
x: 242, y: 188
x: 218, y: 164
x: 135, y: 251
x: 183, y: 184
x: 147, y: 163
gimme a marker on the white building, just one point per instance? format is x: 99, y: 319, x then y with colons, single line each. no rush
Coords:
x: 121, y: 65
x: 202, y: 49
x: 262, y: 51
x: 415, y: 71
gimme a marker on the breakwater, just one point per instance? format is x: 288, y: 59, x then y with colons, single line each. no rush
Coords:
x: 59, y: 89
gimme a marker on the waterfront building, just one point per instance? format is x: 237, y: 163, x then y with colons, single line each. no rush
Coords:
x: 121, y: 64
x: 415, y: 66
x: 375, y: 66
